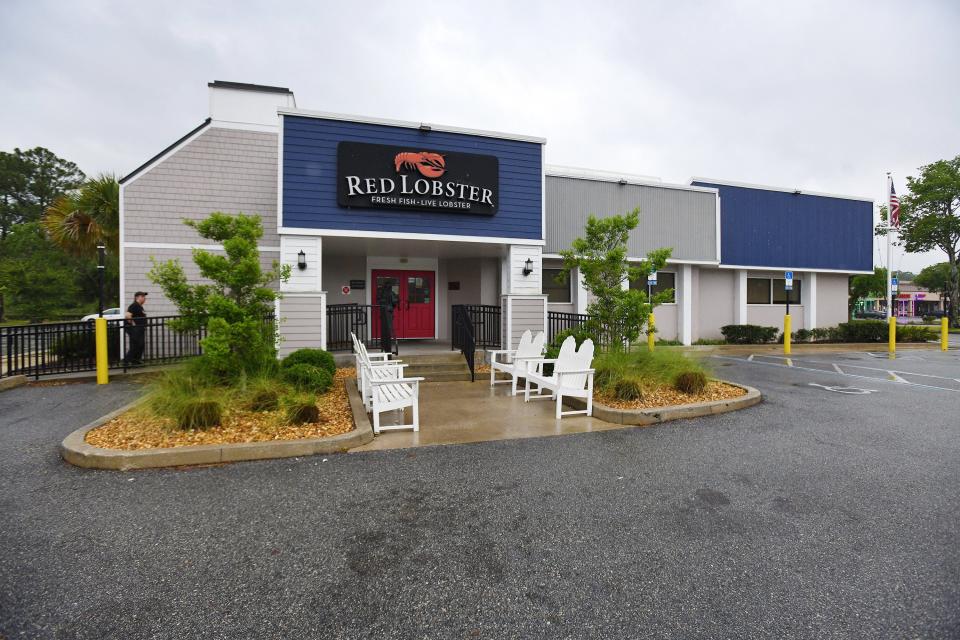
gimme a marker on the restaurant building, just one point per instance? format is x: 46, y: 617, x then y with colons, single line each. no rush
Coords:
x: 463, y: 221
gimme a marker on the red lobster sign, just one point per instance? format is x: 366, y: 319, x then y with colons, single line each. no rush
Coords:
x: 429, y: 164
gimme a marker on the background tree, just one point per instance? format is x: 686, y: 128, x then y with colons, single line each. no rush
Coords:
x: 38, y: 280
x: 235, y: 303
x: 79, y: 220
x: 601, y: 257
x: 31, y: 180
x: 936, y: 277
x: 930, y: 217
x: 863, y: 286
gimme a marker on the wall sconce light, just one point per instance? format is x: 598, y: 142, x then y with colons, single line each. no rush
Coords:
x: 528, y: 267
x: 301, y: 260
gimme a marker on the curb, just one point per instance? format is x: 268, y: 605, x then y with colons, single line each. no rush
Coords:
x: 798, y: 348
x: 78, y: 452
x: 12, y: 382
x: 643, y: 417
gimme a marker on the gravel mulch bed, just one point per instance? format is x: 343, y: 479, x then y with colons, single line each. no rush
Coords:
x: 668, y: 396
x: 138, y: 429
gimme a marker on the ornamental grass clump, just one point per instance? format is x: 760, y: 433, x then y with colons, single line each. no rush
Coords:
x: 692, y: 382
x: 187, y: 400
x: 629, y: 389
x: 262, y: 394
x: 301, y: 408
x: 620, y: 373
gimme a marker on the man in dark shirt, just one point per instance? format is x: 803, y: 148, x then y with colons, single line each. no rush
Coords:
x: 136, y: 326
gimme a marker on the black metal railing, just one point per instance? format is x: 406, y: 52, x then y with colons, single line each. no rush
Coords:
x: 462, y: 335
x: 559, y: 321
x: 485, y: 320
x: 70, y: 347
x: 361, y: 319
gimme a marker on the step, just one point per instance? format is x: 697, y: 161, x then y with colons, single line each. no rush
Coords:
x: 437, y: 367
x: 449, y: 377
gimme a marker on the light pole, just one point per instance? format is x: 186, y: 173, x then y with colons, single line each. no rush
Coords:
x: 101, y: 251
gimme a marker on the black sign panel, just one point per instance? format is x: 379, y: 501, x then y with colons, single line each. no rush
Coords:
x: 385, y: 177
x: 358, y: 284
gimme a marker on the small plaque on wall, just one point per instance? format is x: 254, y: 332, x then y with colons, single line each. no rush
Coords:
x: 358, y: 284
x: 453, y: 286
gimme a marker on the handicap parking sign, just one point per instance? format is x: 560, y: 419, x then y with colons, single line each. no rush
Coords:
x: 788, y: 280
x: 652, y: 278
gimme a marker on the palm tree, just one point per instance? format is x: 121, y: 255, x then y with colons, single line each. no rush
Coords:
x: 81, y: 219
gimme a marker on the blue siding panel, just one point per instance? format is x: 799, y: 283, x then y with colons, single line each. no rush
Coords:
x: 765, y: 228
x: 310, y: 181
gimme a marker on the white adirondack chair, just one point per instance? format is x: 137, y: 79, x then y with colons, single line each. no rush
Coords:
x: 515, y: 360
x: 572, y: 376
x: 371, y: 367
x: 393, y: 394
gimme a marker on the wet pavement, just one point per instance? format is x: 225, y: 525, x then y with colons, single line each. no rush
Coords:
x: 817, y: 514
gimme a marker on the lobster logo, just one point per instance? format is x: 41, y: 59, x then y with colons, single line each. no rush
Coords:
x: 430, y: 165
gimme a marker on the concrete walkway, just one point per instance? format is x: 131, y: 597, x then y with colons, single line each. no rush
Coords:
x: 460, y: 412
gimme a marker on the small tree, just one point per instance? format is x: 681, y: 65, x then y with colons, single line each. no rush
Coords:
x: 931, y: 217
x: 601, y: 257
x: 234, y: 306
x: 865, y: 286
x: 936, y: 278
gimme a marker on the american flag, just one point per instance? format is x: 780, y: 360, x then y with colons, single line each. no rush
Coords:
x: 894, y: 207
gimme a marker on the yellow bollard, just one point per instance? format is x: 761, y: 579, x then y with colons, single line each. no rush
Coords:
x: 650, y: 335
x: 786, y: 334
x: 101, y: 341
x: 892, y: 335
x: 944, y: 333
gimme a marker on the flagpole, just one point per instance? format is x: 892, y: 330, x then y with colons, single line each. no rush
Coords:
x: 889, y: 263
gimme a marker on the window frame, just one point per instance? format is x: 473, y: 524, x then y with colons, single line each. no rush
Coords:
x: 556, y: 285
x: 659, y: 273
x: 771, y: 289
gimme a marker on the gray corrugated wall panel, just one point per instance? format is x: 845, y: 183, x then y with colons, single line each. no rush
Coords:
x: 669, y: 217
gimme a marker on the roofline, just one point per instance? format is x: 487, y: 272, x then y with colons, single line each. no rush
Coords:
x: 244, y: 86
x: 166, y: 150
x: 324, y: 115
x: 749, y: 185
x: 577, y: 173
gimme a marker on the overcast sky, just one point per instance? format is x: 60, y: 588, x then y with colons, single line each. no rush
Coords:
x: 822, y: 96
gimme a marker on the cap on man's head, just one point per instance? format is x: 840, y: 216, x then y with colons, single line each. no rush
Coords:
x: 140, y: 293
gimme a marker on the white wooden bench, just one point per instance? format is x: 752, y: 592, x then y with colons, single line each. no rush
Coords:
x: 397, y: 394
x: 371, y: 367
x: 572, y: 376
x: 514, y: 361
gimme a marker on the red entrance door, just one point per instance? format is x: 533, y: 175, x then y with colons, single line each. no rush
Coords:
x: 416, y: 298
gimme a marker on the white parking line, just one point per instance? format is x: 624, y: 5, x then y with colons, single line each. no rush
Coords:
x: 901, y: 381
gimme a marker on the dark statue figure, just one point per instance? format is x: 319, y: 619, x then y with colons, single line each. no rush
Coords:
x: 387, y: 300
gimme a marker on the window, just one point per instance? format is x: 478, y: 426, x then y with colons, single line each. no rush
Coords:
x: 780, y: 295
x: 763, y: 290
x: 665, y: 280
x: 758, y: 290
x: 556, y: 291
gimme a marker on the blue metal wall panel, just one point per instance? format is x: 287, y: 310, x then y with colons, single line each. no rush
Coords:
x: 767, y: 228
x: 310, y: 181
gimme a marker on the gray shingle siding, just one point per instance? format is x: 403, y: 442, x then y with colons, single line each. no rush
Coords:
x: 137, y: 264
x: 220, y: 170
x: 301, y: 323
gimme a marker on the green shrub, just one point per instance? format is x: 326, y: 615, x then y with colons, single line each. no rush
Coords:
x: 307, y: 377
x: 301, y: 408
x: 692, y: 382
x: 915, y: 334
x: 629, y: 389
x: 862, y: 331
x: 822, y: 334
x: 748, y: 334
x: 83, y: 346
x: 710, y: 341
x: 199, y: 413
x: 802, y: 335
x: 315, y: 357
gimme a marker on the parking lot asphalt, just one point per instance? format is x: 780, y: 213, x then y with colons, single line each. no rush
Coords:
x: 821, y: 513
